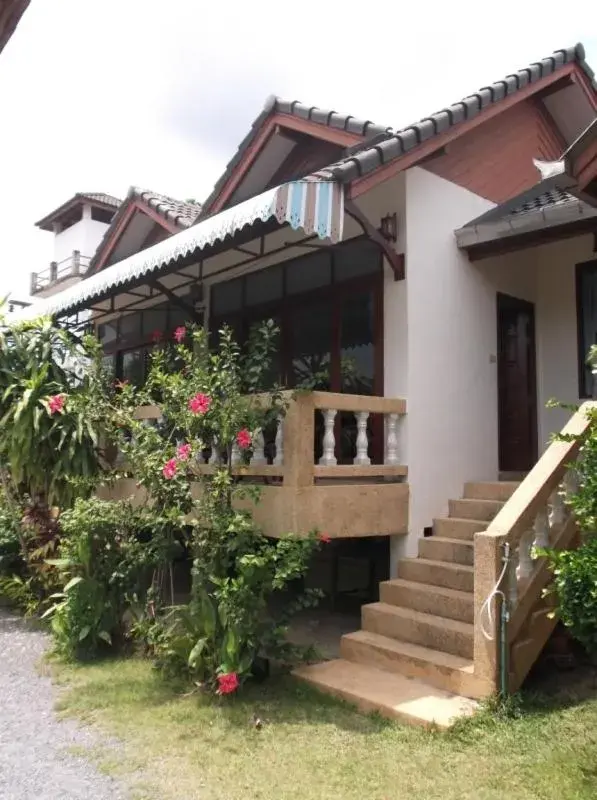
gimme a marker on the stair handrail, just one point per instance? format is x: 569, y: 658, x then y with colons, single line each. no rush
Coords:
x: 534, y: 515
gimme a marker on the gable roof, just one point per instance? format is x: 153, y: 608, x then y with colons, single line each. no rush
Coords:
x: 383, y: 144
x: 370, y: 156
x: 97, y: 198
x: 178, y: 213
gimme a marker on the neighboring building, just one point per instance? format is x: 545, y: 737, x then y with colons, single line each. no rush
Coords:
x: 440, y: 281
x: 11, y: 12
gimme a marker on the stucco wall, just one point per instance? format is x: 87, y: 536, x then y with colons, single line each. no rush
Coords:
x: 84, y: 236
x: 451, y: 421
x: 546, y: 276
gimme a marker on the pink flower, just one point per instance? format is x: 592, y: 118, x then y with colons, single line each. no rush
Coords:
x: 324, y: 538
x: 157, y: 336
x: 183, y: 451
x: 243, y: 439
x: 228, y: 683
x: 169, y: 470
x: 199, y: 404
x: 121, y: 384
x: 180, y: 333
x: 56, y: 403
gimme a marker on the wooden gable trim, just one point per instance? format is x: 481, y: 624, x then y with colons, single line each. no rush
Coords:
x: 115, y: 235
x: 368, y: 182
x: 286, y: 122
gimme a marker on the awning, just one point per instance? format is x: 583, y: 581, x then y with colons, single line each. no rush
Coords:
x: 315, y: 206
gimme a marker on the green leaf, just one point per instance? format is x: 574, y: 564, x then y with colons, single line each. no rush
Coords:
x: 105, y: 636
x: 73, y: 582
x: 84, y: 632
x: 196, y: 652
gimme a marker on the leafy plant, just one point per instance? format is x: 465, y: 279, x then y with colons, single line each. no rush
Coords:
x: 105, y: 565
x: 211, y: 404
x: 575, y: 587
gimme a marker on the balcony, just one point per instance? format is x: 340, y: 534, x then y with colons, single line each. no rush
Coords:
x: 303, y: 485
x: 59, y: 273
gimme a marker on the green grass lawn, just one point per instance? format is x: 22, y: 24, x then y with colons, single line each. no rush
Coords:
x: 311, y: 747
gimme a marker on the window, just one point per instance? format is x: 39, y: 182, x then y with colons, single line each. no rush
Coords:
x: 102, y: 214
x: 586, y: 313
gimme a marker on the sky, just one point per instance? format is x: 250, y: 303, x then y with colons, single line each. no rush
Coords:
x: 97, y: 95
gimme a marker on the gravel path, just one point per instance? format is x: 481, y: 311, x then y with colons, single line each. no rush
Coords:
x: 35, y: 762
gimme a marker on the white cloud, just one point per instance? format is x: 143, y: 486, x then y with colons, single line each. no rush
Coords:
x: 101, y: 94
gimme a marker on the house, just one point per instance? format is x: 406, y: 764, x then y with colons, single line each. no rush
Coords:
x: 435, y: 284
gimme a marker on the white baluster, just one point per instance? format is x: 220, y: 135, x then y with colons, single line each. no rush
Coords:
x: 558, y: 508
x: 513, y: 579
x: 279, y: 458
x: 234, y: 455
x: 328, y: 459
x: 541, y: 529
x: 391, y: 440
x: 214, y: 457
x: 525, y: 562
x: 258, y: 449
x: 362, y: 440
x: 571, y: 483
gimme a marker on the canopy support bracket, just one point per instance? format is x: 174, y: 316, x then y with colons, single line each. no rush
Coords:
x: 395, y: 260
x: 175, y: 299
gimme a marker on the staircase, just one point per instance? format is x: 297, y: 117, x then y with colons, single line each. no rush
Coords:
x: 427, y: 651
x: 413, y: 657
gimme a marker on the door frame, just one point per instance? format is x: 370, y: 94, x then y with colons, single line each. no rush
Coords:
x: 506, y: 301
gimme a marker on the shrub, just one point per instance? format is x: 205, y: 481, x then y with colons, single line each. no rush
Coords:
x: 575, y: 586
x: 207, y: 399
x: 106, y: 566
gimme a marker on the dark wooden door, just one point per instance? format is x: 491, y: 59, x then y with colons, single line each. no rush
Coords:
x: 517, y: 387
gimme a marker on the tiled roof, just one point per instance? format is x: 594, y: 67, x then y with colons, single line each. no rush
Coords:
x: 182, y: 213
x: 553, y: 197
x: 100, y: 197
x: 384, y: 144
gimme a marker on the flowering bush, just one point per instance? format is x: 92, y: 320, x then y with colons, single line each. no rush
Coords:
x: 210, y: 407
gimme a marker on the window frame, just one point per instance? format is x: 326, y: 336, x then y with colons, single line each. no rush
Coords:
x: 582, y: 269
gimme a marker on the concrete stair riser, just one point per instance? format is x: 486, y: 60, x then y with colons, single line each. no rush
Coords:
x: 474, y: 509
x: 439, y: 573
x: 404, y: 624
x: 454, y: 528
x: 490, y: 490
x: 455, y: 551
x: 442, y: 670
x: 428, y: 599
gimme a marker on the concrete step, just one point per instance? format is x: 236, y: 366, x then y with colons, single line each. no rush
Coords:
x: 474, y: 509
x: 440, y: 548
x: 437, y: 573
x: 429, y: 599
x: 428, y: 630
x: 490, y: 490
x: 392, y: 695
x: 443, y: 670
x: 454, y: 528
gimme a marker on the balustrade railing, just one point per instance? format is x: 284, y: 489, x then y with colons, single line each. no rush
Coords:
x: 536, y: 516
x: 72, y: 266
x: 291, y: 451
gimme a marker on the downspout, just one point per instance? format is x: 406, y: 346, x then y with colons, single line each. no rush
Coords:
x: 504, y: 618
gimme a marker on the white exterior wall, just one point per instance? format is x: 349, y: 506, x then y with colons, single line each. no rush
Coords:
x: 451, y: 384
x: 546, y: 276
x: 84, y: 236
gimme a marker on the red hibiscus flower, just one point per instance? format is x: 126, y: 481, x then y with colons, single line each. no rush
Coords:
x: 157, y: 336
x: 199, y: 404
x: 243, y: 439
x: 228, y: 683
x: 183, y: 451
x: 180, y: 333
x: 324, y: 538
x: 169, y: 470
x: 56, y: 403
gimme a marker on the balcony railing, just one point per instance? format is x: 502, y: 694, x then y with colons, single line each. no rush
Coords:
x: 72, y: 266
x: 304, y: 486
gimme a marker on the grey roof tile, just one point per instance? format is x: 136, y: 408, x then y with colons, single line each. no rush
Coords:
x: 368, y: 155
